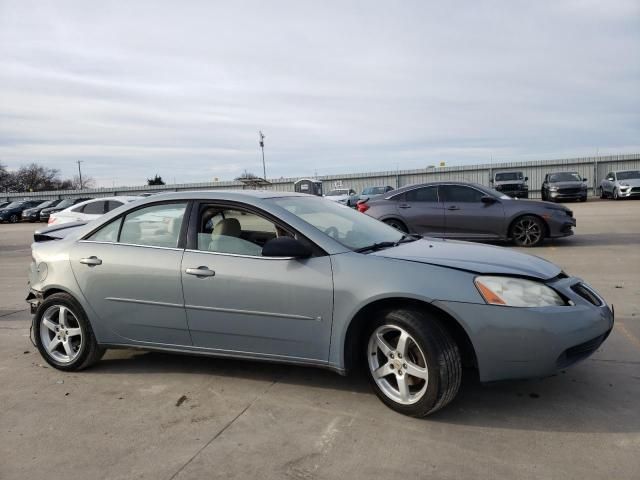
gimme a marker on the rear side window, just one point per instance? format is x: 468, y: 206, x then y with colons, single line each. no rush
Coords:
x: 426, y: 194
x: 113, y: 204
x: 94, y: 208
x: 155, y: 226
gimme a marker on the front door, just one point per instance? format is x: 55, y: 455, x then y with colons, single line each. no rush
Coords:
x: 129, y: 272
x: 239, y: 302
x: 466, y: 216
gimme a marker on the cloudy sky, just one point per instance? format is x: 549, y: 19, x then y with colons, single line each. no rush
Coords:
x: 181, y: 88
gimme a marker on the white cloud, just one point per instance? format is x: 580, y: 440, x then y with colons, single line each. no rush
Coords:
x: 181, y: 88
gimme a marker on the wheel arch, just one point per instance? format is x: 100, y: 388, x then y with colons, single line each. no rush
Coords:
x: 357, y: 326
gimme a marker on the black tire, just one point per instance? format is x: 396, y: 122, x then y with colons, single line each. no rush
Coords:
x: 14, y: 218
x: 527, y: 231
x: 543, y: 196
x: 602, y: 193
x: 90, y: 351
x: 583, y: 199
x: 443, y: 361
x: 397, y: 224
x: 615, y: 195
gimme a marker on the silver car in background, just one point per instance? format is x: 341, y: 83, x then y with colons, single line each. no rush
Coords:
x: 621, y: 184
x: 279, y: 277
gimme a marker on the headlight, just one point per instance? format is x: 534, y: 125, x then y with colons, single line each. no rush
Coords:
x: 517, y: 292
x: 553, y: 189
x: 623, y: 184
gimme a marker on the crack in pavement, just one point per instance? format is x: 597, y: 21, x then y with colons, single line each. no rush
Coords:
x: 224, y: 428
x: 13, y: 312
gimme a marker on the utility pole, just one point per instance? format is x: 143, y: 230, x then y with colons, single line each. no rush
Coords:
x: 80, y: 172
x: 264, y: 168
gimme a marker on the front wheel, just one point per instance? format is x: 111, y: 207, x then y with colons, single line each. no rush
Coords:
x: 14, y: 218
x: 527, y: 231
x: 616, y: 196
x: 413, y: 363
x: 63, y: 334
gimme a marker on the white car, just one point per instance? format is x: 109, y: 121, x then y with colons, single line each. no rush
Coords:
x: 345, y: 196
x: 89, y: 209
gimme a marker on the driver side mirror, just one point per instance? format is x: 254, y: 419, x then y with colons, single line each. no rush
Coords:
x: 488, y: 200
x: 526, y: 179
x: 584, y: 179
x: 286, y: 247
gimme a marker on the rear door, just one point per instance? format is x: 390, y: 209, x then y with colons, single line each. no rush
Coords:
x: 239, y: 302
x: 422, y: 211
x: 466, y: 216
x: 129, y: 272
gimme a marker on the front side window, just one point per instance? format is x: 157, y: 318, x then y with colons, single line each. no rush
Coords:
x: 155, y: 226
x: 236, y: 231
x: 460, y: 194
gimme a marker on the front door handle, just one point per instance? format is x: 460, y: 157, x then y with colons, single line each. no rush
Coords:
x: 91, y: 261
x: 453, y: 207
x: 201, y: 271
x: 404, y: 205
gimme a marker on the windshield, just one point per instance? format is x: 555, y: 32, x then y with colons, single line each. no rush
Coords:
x: 628, y: 175
x: 14, y: 204
x: 373, y: 191
x: 565, y: 177
x: 46, y: 204
x: 335, y: 193
x: 503, y: 177
x: 345, y: 225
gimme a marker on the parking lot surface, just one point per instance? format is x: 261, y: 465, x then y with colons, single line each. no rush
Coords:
x: 151, y: 415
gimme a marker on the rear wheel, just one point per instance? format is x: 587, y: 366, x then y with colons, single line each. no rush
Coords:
x: 397, y: 224
x: 63, y: 334
x: 413, y: 363
x: 527, y: 231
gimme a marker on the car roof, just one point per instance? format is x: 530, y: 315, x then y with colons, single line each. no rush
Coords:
x: 223, y: 195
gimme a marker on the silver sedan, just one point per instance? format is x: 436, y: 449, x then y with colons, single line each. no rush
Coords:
x: 282, y: 277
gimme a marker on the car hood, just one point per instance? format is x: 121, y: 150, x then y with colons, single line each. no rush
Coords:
x: 473, y: 257
x: 337, y: 198
x: 633, y: 182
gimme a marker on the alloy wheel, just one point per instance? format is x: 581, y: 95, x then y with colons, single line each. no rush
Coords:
x: 527, y: 232
x: 13, y: 218
x: 397, y: 364
x: 60, y: 333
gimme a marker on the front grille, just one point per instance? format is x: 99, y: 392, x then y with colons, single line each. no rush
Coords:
x: 586, y: 293
x: 635, y: 190
x: 569, y: 191
x: 511, y: 188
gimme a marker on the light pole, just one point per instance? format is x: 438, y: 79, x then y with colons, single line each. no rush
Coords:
x: 264, y: 168
x: 80, y: 172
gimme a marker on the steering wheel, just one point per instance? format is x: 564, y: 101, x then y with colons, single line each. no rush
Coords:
x: 332, y: 232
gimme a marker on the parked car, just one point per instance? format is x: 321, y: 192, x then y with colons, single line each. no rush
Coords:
x: 470, y: 211
x: 374, y: 192
x: 346, y: 196
x: 278, y: 277
x: 621, y: 184
x: 513, y: 184
x: 564, y: 186
x: 12, y: 213
x: 66, y: 203
x: 33, y: 214
x: 90, y: 209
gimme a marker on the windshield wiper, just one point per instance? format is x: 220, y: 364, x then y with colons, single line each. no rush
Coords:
x: 380, y: 245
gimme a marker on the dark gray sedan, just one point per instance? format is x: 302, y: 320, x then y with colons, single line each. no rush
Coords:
x: 470, y: 211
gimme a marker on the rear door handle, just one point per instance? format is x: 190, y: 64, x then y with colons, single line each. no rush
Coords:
x: 453, y: 207
x: 91, y: 261
x: 404, y: 205
x: 201, y: 271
